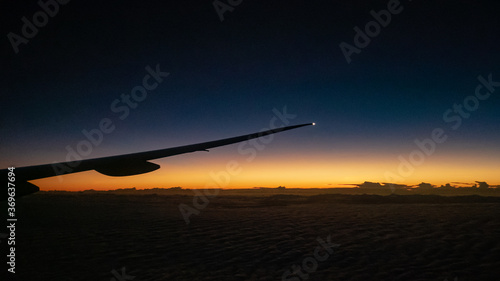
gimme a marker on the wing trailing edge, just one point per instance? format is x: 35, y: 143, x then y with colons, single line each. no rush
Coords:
x: 120, y: 165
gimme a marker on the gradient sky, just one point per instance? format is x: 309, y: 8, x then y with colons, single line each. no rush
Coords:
x: 226, y: 77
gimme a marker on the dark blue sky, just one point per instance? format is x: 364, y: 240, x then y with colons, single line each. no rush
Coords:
x: 227, y: 76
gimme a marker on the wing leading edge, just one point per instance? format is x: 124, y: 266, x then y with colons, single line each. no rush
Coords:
x: 120, y: 165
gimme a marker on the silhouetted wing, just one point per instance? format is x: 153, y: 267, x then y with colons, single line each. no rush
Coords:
x: 121, y: 165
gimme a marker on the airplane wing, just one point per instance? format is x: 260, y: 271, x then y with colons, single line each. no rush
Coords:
x: 120, y: 165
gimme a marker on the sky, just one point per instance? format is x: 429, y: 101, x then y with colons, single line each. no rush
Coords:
x: 377, y: 77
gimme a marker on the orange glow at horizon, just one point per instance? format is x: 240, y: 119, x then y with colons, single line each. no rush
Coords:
x: 268, y: 170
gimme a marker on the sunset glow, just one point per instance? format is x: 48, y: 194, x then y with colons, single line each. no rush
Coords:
x: 200, y: 170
